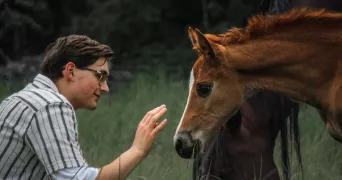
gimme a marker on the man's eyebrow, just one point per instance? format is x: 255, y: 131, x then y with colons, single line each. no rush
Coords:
x: 103, y: 70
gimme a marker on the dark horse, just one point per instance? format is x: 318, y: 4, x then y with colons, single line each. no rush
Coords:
x: 243, y: 149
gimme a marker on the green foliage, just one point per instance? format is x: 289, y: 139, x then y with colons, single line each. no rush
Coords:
x: 17, y: 22
x: 143, y: 34
x: 133, y: 29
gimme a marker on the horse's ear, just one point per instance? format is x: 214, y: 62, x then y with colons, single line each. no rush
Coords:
x: 193, y: 38
x: 204, y: 45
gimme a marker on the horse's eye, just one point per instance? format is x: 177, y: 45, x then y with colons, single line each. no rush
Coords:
x: 204, y: 89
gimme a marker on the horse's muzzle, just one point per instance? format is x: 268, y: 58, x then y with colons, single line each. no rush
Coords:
x: 184, y: 144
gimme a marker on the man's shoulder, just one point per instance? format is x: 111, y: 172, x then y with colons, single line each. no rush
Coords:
x: 38, y: 98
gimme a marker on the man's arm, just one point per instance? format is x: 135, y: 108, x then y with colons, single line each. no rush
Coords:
x: 147, y: 130
x: 54, y: 124
x: 121, y: 167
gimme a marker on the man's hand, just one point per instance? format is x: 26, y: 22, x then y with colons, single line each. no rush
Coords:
x: 147, y: 130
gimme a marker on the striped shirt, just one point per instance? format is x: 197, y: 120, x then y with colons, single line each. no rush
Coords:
x: 38, y: 132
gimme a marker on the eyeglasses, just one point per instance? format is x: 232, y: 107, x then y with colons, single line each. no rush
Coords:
x: 102, y: 76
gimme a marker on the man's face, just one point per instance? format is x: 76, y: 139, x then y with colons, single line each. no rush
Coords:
x: 89, y: 85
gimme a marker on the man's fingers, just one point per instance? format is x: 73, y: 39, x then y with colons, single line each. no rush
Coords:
x: 157, y: 116
x: 159, y: 127
x: 150, y: 118
x: 150, y: 113
x: 155, y: 125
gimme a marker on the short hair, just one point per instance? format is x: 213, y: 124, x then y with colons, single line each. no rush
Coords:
x: 78, y: 49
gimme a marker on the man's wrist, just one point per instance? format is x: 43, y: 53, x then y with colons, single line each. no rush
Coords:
x: 137, y: 152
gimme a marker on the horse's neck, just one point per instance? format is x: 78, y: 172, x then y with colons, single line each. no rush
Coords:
x: 301, y: 70
x: 293, y: 87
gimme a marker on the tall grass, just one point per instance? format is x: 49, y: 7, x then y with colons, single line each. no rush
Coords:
x: 109, y: 130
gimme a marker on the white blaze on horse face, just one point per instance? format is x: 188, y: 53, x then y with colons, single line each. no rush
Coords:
x: 191, y: 83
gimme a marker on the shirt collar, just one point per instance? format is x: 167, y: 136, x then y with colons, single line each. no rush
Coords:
x: 45, y: 83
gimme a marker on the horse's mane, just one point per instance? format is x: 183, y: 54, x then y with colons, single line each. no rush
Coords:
x: 259, y: 24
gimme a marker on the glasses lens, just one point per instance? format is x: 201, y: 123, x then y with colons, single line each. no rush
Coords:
x: 103, y: 76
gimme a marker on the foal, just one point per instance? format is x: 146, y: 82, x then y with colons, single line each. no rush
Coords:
x: 296, y: 53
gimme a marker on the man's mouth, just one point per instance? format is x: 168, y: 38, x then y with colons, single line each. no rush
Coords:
x: 98, y: 97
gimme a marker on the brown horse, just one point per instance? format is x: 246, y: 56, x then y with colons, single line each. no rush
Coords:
x: 295, y: 53
x: 246, y: 152
x: 244, y: 148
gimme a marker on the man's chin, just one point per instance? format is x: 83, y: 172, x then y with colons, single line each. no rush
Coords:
x: 91, y: 107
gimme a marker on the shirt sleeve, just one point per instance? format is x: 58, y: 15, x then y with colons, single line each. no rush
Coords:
x: 52, y: 135
x: 80, y: 173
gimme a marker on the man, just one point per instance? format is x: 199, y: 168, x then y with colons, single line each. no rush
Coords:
x: 38, y: 125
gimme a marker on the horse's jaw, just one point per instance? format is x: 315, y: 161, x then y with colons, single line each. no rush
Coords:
x: 189, y: 144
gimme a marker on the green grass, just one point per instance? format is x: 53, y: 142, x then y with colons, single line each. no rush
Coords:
x: 109, y: 130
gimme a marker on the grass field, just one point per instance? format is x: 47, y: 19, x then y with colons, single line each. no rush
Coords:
x: 109, y: 130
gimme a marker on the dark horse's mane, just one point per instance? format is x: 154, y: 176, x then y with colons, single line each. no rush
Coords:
x: 285, y: 116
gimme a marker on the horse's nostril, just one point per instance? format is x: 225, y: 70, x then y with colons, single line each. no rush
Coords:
x: 178, y: 145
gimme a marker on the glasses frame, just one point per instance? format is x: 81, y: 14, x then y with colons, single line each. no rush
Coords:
x: 102, y: 76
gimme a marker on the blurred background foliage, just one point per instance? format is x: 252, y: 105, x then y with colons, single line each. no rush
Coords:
x: 146, y: 35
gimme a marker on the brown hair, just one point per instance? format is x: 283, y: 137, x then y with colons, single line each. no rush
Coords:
x: 78, y: 49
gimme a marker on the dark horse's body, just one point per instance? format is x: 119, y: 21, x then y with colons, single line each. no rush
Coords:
x: 244, y: 148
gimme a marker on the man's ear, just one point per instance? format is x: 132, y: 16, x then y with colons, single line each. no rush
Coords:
x: 69, y: 70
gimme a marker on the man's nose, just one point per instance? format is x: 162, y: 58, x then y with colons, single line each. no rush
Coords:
x: 104, y: 86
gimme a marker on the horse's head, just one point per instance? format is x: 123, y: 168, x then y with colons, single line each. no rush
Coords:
x: 214, y: 95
